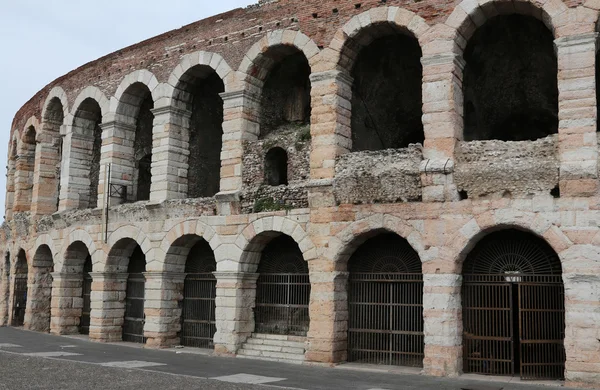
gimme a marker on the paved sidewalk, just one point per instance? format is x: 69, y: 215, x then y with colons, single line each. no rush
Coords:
x: 31, y: 360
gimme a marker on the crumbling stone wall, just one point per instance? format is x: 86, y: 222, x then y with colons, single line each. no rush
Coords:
x: 385, y: 176
x: 495, y: 169
x: 510, y: 83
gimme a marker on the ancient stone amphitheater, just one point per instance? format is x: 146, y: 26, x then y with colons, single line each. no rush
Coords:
x: 393, y: 182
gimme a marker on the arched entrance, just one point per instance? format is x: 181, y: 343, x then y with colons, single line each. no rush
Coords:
x: 513, y: 307
x: 282, y: 289
x: 37, y: 315
x: 198, y: 324
x: 385, y: 299
x: 133, y: 324
x: 20, y: 290
x: 86, y: 293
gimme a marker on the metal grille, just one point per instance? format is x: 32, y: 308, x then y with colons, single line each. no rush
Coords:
x: 198, y: 325
x: 513, y: 308
x: 282, y: 290
x: 19, y: 299
x: 84, y: 323
x: 133, y: 326
x: 118, y: 191
x: 385, y: 302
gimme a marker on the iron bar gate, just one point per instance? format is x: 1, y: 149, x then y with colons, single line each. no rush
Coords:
x: 282, y: 304
x: 198, y: 325
x: 133, y: 326
x: 385, y: 323
x: 84, y: 322
x: 19, y: 299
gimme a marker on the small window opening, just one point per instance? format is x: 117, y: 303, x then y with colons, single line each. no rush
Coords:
x: 276, y: 162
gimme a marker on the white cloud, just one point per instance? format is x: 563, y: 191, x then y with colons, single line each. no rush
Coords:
x: 43, y: 40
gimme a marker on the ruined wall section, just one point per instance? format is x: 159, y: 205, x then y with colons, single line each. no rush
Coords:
x: 385, y: 176
x: 257, y: 195
x: 495, y: 169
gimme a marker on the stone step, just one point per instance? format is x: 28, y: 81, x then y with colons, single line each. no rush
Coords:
x: 299, y: 350
x: 276, y: 343
x: 271, y: 359
x: 279, y: 356
x: 300, y: 339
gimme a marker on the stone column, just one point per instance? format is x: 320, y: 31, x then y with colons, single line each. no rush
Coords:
x: 331, y: 96
x: 117, y: 150
x: 240, y: 123
x: 39, y: 295
x: 170, y: 151
x: 328, y: 333
x: 442, y: 314
x: 162, y: 307
x: 235, y: 300
x: 47, y: 171
x: 442, y: 124
x: 10, y: 189
x: 578, y: 140
x: 108, y: 306
x: 4, y: 296
x: 67, y: 303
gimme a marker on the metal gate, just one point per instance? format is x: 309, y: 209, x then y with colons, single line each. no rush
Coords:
x: 513, y: 308
x: 282, y: 290
x: 84, y: 322
x: 385, y: 304
x: 133, y: 326
x: 198, y: 325
x: 19, y: 299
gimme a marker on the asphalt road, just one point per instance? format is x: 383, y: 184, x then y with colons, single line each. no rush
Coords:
x: 31, y: 360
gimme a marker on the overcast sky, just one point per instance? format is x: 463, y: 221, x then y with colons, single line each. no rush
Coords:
x: 42, y: 40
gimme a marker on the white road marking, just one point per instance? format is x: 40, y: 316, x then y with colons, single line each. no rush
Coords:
x: 132, y: 364
x: 51, y: 354
x: 68, y: 346
x: 6, y: 345
x: 248, y: 379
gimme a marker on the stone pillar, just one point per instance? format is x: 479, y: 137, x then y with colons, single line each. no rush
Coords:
x: 24, y: 179
x: 170, y: 151
x: 39, y: 295
x: 10, y: 189
x: 235, y: 300
x: 47, y: 171
x: 4, y: 296
x: 108, y: 306
x: 442, y: 124
x: 578, y: 141
x: 117, y: 150
x: 442, y: 314
x: 164, y: 295
x: 331, y: 132
x: 67, y: 303
x: 328, y: 333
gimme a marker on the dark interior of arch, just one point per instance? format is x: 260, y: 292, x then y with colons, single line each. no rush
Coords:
x: 510, y: 81
x: 88, y: 118
x: 7, y: 263
x: 43, y: 257
x: 21, y: 267
x: 30, y: 134
x: 137, y: 261
x: 512, y: 251
x: 276, y: 165
x: 54, y: 114
x: 387, y: 94
x: 281, y: 256
x: 285, y: 96
x: 202, y: 87
x: 201, y: 259
x: 142, y: 147
x: 385, y: 253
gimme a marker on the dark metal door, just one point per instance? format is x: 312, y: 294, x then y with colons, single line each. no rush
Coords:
x: 282, y: 304
x: 84, y: 323
x: 541, y: 321
x: 385, y: 323
x: 19, y: 300
x: 198, y: 317
x: 488, y: 325
x: 133, y: 326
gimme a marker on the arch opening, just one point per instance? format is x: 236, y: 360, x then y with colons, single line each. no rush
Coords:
x: 282, y: 289
x: 285, y: 96
x: 513, y: 307
x: 78, y: 262
x: 19, y: 303
x: 25, y: 166
x: 276, y: 167
x: 199, y: 92
x: 385, y: 63
x: 198, y: 322
x: 510, y: 81
x: 133, y: 324
x: 86, y: 151
x: 385, y: 303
